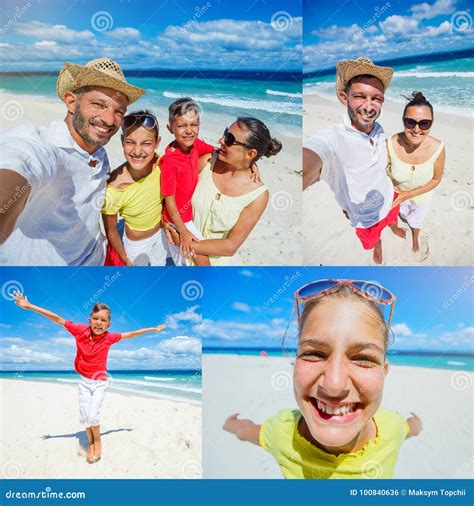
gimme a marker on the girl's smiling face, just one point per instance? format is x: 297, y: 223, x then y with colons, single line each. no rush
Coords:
x: 339, y: 374
x: 139, y: 146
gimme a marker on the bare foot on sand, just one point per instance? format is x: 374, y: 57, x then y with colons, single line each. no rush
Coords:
x: 90, y: 454
x: 97, y: 450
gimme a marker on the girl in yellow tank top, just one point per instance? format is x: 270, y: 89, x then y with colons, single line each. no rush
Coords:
x: 416, y: 164
x: 339, y: 430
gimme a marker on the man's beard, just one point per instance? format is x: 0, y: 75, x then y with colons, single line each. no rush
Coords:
x: 363, y: 124
x: 81, y: 125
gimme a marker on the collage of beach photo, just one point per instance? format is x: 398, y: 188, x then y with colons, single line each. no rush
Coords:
x: 236, y: 243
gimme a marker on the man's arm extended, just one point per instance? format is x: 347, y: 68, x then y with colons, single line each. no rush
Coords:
x: 312, y: 165
x: 14, y: 192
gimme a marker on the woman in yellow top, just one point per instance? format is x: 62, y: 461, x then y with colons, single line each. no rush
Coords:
x: 133, y: 192
x: 229, y: 200
x: 339, y: 430
x: 416, y: 164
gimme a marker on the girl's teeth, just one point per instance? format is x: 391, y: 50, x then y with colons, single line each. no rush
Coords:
x: 342, y: 410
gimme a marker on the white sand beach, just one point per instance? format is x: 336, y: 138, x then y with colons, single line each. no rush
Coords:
x: 276, y: 239
x: 258, y: 387
x: 141, y: 437
x: 328, y: 236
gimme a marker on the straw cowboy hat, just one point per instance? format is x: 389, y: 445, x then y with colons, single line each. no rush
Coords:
x: 100, y: 72
x: 346, y: 70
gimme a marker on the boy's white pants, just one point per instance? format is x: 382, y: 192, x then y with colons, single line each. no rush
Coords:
x: 91, y: 395
x: 174, y: 252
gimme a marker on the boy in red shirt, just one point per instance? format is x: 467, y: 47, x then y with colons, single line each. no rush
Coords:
x: 179, y: 176
x: 93, y: 343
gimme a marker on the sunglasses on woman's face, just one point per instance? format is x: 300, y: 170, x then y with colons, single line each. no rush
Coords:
x: 229, y: 140
x: 145, y: 120
x: 424, y: 124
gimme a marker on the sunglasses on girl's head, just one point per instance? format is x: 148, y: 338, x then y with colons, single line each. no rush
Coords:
x: 145, y: 120
x: 424, y: 124
x: 367, y: 289
x: 229, y: 140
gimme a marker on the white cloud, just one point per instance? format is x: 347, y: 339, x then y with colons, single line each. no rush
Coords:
x: 402, y: 329
x: 16, y: 340
x: 46, y: 43
x: 189, y: 315
x: 241, y: 306
x: 181, y: 345
x: 124, y: 34
x: 17, y: 354
x: 338, y: 32
x: 430, y: 11
x: 398, y: 25
x: 59, y: 33
x: 66, y: 341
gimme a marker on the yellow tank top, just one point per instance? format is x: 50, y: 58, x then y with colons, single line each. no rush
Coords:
x: 412, y: 176
x: 139, y: 204
x: 298, y: 458
x: 214, y: 213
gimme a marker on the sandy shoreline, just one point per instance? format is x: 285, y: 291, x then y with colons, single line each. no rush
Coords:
x: 328, y: 237
x: 276, y: 239
x: 258, y: 387
x: 41, y: 436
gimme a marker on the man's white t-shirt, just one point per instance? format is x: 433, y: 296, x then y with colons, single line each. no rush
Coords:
x: 354, y: 166
x: 60, y: 222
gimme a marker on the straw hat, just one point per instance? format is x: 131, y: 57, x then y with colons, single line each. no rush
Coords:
x: 100, y: 72
x: 346, y: 70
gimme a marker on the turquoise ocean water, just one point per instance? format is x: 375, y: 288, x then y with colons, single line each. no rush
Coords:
x: 178, y: 385
x: 458, y: 362
x: 448, y: 84
x: 275, y: 99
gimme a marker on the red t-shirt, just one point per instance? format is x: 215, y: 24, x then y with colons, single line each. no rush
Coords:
x: 179, y: 176
x: 92, y: 351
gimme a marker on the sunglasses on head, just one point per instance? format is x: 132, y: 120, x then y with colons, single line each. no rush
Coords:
x: 229, y: 140
x: 145, y: 120
x: 367, y: 289
x: 424, y: 124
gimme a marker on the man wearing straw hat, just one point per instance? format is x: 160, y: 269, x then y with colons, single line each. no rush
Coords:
x: 53, y: 178
x: 351, y: 156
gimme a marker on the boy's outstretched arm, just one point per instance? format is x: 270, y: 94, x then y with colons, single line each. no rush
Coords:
x: 415, y: 425
x: 245, y: 430
x: 136, y: 333
x: 22, y: 301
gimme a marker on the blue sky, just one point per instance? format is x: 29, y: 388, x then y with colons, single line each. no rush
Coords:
x: 211, y: 34
x: 139, y: 298
x: 251, y: 307
x: 382, y: 30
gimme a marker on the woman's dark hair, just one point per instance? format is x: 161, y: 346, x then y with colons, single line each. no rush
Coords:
x: 182, y: 106
x: 417, y: 99
x: 259, y: 138
x: 100, y: 306
x: 144, y: 112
